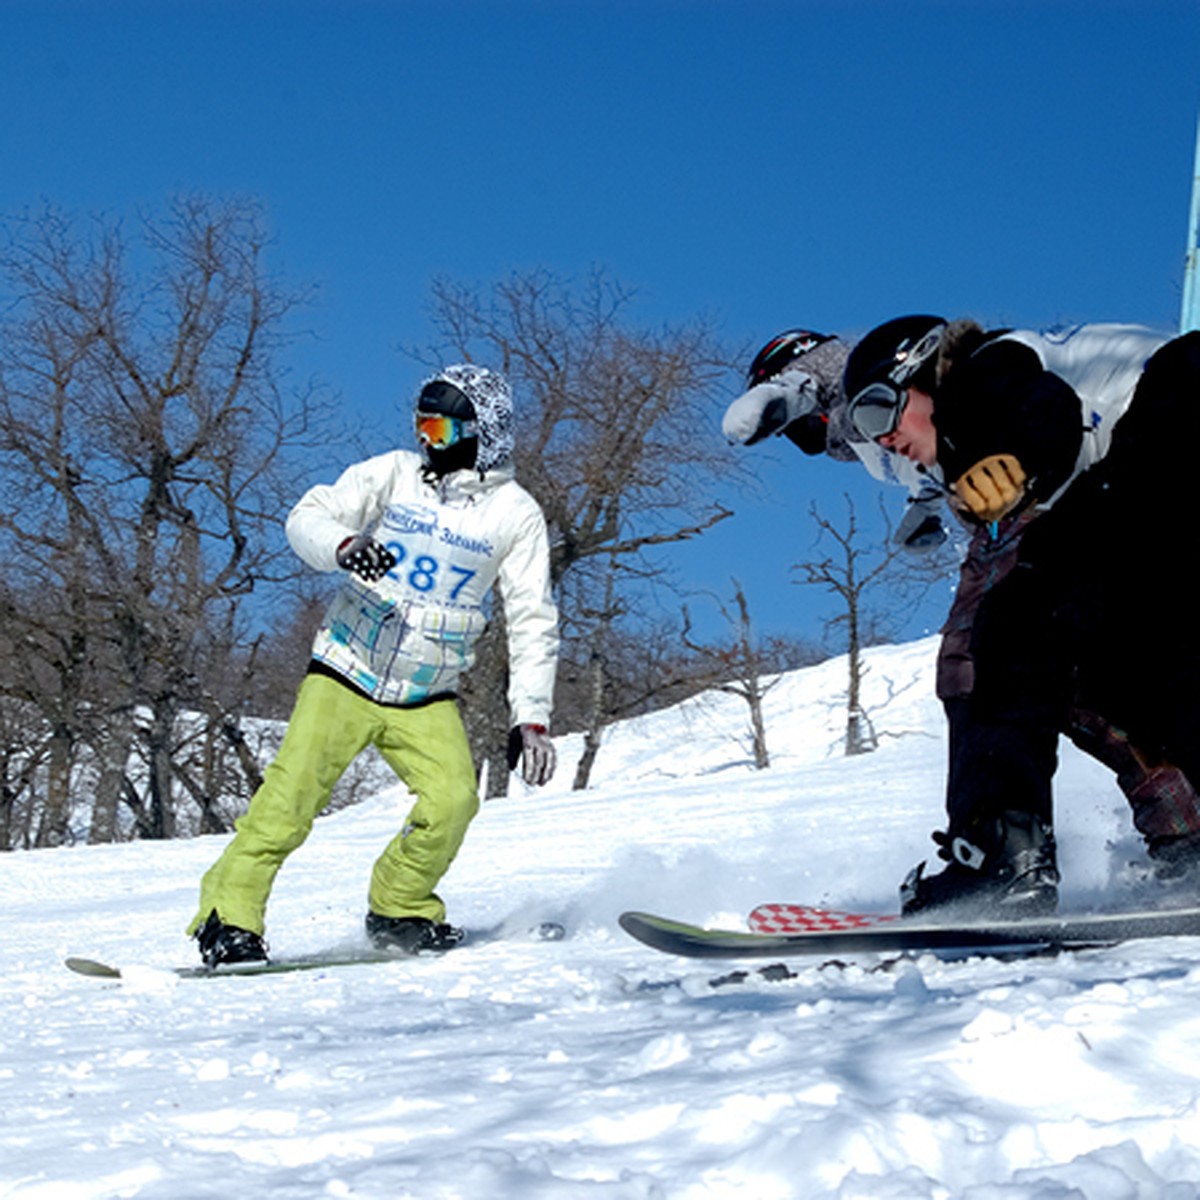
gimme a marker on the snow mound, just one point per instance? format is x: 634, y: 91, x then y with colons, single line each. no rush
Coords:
x: 593, y: 1066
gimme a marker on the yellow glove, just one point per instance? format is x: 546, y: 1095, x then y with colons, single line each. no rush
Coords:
x: 992, y: 488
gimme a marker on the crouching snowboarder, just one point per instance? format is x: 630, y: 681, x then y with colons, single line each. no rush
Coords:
x: 421, y: 538
x: 1072, y: 454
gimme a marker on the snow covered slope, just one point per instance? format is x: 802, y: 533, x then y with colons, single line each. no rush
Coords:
x: 594, y: 1066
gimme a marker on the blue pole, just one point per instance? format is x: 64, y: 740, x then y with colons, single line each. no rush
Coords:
x: 1189, y: 316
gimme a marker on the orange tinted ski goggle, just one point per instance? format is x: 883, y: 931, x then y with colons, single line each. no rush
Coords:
x: 439, y: 431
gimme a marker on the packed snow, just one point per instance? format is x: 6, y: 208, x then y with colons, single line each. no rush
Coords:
x: 594, y: 1066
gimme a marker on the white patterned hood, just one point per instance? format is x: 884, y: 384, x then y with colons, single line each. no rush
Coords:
x: 489, y: 392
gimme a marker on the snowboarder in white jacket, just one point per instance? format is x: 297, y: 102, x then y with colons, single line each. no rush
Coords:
x: 421, y: 539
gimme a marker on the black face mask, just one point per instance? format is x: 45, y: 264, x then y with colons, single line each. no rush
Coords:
x: 459, y: 457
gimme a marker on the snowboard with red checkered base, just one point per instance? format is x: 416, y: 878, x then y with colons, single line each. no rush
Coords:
x: 794, y: 930
x: 804, y: 918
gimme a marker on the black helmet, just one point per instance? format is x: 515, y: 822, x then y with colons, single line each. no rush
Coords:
x: 442, y: 396
x: 893, y: 357
x: 781, y: 351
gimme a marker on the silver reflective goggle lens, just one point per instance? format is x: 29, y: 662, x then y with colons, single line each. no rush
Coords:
x: 875, y: 411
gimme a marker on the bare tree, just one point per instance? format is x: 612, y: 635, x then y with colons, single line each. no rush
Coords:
x: 616, y: 421
x: 617, y: 661
x: 148, y: 454
x: 744, y: 665
x: 852, y: 569
x: 598, y: 690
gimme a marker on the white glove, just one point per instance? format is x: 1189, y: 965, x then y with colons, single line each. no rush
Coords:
x: 921, y: 529
x: 530, y: 745
x: 769, y: 407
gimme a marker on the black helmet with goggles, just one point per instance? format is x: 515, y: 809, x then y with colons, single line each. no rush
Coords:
x: 893, y: 357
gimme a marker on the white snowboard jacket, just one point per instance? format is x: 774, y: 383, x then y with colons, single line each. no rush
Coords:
x: 408, y: 637
x: 1102, y: 363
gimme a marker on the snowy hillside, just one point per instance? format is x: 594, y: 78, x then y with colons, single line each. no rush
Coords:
x: 594, y: 1066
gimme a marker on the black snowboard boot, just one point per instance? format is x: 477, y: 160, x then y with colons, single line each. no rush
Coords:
x: 1007, y: 870
x: 223, y: 945
x: 412, y: 935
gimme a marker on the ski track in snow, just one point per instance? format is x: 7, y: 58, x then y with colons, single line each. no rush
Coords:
x: 595, y: 1066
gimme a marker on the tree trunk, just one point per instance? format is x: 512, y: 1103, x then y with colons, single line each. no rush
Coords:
x: 161, y: 770
x: 752, y: 691
x: 758, y: 727
x: 860, y: 733
x: 115, y: 743
x: 55, y: 825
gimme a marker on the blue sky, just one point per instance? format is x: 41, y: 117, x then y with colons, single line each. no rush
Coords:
x: 768, y: 163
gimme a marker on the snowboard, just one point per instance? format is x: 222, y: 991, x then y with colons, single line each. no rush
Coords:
x: 783, y: 930
x: 102, y: 970
x: 547, y: 931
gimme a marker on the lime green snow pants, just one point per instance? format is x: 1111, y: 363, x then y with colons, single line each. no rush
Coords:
x: 330, y: 725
